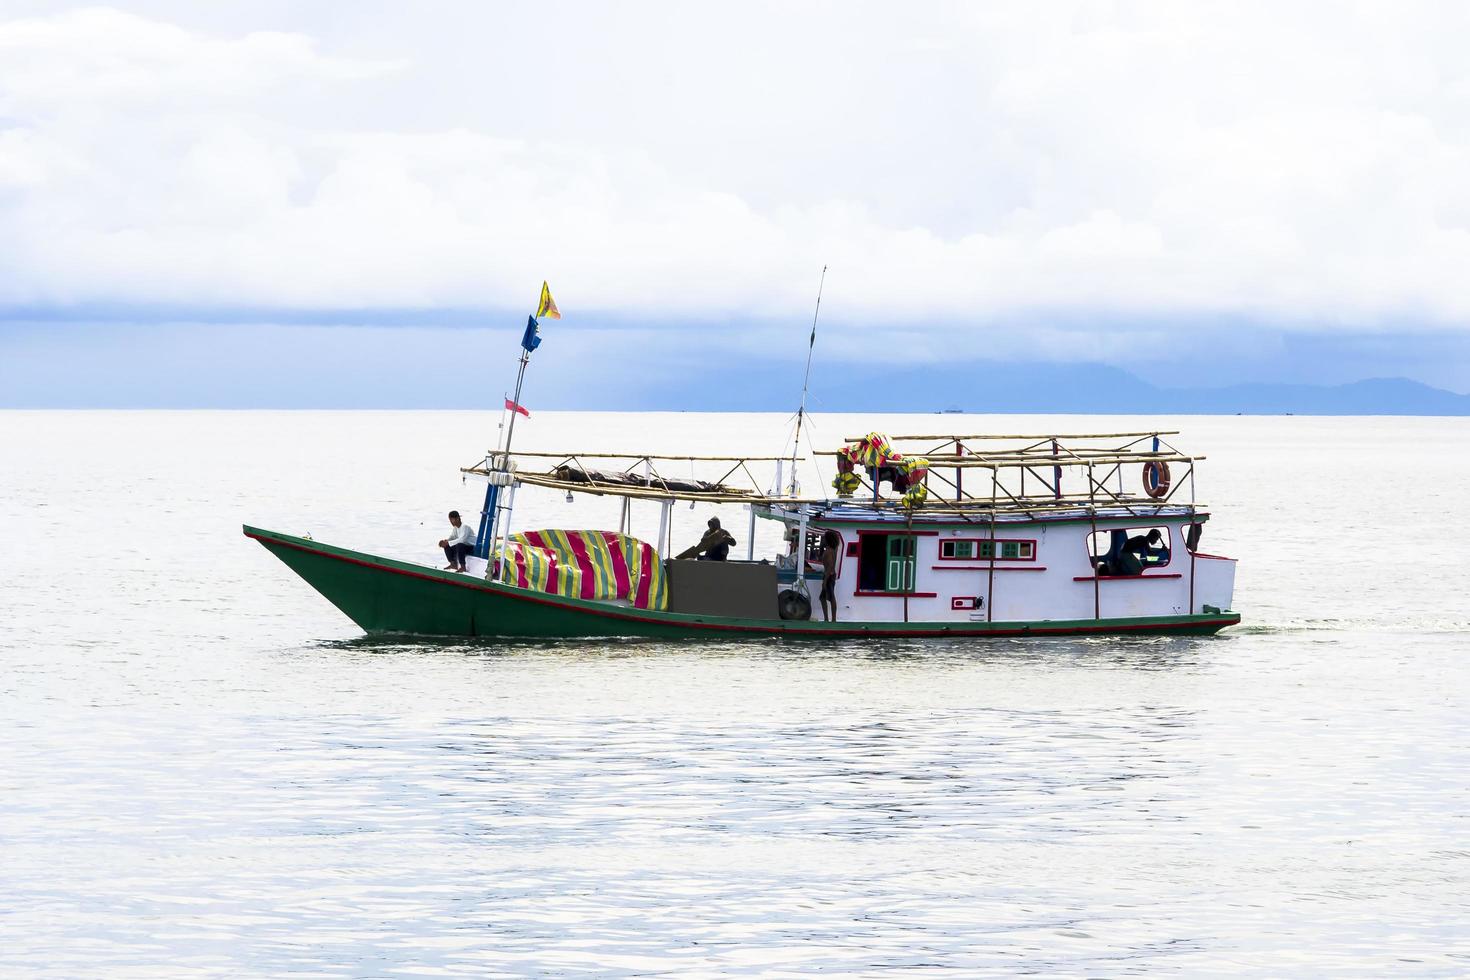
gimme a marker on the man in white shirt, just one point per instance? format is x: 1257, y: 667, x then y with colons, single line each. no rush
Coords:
x: 457, y: 546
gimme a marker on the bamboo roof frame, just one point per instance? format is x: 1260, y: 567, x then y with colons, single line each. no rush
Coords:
x: 1034, y: 505
x: 1069, y: 502
x: 978, y: 461
x: 1047, y: 436
x: 988, y: 463
x: 1044, y: 452
x: 640, y: 457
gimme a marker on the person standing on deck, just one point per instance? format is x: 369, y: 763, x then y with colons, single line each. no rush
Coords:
x: 458, y: 545
x: 831, y: 545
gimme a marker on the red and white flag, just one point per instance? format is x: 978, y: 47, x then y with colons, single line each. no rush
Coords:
x: 511, y: 406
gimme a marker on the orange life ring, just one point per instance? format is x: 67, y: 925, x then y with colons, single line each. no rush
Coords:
x: 1156, y: 478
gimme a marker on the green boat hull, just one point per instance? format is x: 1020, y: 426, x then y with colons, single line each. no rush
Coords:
x: 385, y: 596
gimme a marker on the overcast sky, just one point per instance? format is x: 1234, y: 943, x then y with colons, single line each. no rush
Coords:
x: 1180, y: 189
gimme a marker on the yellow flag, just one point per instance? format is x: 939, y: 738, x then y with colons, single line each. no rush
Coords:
x: 547, y: 309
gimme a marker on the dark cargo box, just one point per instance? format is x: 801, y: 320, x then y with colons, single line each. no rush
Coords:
x: 741, y: 589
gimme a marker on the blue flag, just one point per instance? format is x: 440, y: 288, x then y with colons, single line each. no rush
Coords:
x: 532, y: 338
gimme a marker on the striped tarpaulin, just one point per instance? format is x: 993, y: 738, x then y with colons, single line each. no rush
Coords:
x: 586, y: 565
x: 873, y: 450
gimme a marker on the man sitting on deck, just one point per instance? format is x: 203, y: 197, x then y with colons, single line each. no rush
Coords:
x: 458, y: 545
x: 714, y: 546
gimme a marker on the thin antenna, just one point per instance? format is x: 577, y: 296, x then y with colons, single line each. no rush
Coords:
x: 805, y: 380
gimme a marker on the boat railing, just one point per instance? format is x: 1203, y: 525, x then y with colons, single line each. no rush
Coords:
x: 1028, y: 473
x: 636, y: 475
x: 1017, y: 474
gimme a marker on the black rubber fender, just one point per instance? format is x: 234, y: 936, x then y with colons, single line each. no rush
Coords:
x: 793, y: 605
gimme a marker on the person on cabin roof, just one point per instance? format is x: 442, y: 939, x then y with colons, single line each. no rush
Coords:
x: 459, y: 544
x: 831, y: 553
x: 715, y: 545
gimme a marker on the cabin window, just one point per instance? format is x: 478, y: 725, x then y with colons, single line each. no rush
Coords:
x: 959, y: 550
x: 814, y: 545
x: 1191, y: 536
x: 811, y: 550
x: 886, y: 562
x: 1129, y: 551
x: 973, y: 549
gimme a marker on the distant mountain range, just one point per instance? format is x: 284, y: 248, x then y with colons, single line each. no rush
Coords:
x: 1373, y: 396
x: 997, y: 387
x: 348, y: 368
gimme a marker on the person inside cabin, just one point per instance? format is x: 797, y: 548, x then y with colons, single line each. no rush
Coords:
x: 459, y: 544
x: 831, y: 554
x: 1139, y: 551
x: 715, y: 545
x: 1146, y: 544
x: 789, y: 560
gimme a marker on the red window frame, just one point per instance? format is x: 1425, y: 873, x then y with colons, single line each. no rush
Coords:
x: 904, y: 532
x: 1092, y: 559
x: 1033, y: 542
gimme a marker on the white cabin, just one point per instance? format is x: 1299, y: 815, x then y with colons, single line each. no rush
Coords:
x: 1014, y: 569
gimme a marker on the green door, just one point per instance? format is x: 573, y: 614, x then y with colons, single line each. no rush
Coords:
x: 900, y: 563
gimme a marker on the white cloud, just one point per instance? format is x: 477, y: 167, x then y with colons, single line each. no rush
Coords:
x: 957, y: 166
x: 98, y: 58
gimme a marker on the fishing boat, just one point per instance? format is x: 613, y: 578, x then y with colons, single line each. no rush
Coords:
x: 968, y: 535
x: 926, y: 535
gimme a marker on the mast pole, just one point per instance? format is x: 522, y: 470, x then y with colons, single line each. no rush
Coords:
x: 487, y: 542
x: 520, y: 377
x: 486, y: 538
x: 805, y: 380
x: 500, y: 429
x: 501, y: 514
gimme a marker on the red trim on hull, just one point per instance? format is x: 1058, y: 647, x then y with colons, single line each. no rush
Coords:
x: 1123, y: 578
x: 618, y: 614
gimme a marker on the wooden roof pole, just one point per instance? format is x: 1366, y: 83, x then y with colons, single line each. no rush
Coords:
x: 1042, y: 436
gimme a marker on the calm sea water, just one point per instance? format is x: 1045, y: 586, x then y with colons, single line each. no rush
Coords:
x: 205, y: 771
